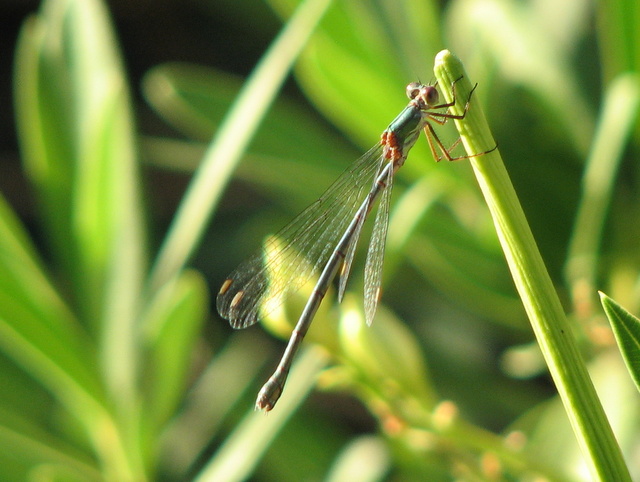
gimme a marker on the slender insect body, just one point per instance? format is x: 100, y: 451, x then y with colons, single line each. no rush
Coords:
x: 325, y: 235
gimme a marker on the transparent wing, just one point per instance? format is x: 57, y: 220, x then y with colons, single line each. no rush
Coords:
x: 296, y: 252
x: 375, y: 253
x: 345, y: 270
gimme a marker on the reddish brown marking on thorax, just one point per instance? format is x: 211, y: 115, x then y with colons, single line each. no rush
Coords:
x: 392, y: 151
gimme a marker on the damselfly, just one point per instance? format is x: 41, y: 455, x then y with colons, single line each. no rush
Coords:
x: 324, y: 236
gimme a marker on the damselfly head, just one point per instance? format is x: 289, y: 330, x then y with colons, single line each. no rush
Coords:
x: 425, y: 95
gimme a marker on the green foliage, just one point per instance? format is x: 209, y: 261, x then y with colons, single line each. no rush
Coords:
x: 106, y: 373
x: 626, y: 327
x: 90, y: 338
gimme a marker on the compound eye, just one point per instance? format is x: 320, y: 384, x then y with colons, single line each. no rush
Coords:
x: 431, y: 95
x: 413, y: 89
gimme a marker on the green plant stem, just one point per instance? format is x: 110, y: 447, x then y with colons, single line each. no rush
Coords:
x: 550, y: 325
x: 614, y: 128
x: 231, y: 140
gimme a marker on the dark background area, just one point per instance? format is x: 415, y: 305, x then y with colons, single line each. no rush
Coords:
x: 149, y: 33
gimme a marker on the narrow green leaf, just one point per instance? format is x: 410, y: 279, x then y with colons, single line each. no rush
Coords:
x: 45, y: 133
x: 206, y: 407
x: 194, y: 99
x: 231, y: 141
x: 41, y: 335
x: 37, y: 329
x: 365, y: 50
x: 385, y: 353
x: 243, y: 449
x: 32, y: 447
x: 626, y: 329
x: 170, y: 329
x: 615, y: 125
x: 500, y: 35
x: 365, y: 458
x: 76, y: 137
x: 618, y: 37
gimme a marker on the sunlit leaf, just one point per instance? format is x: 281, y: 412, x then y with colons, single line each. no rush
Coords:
x: 626, y: 328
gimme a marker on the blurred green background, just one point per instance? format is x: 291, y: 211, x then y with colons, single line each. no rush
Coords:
x: 110, y: 370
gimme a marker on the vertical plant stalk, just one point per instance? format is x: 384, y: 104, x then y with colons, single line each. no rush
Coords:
x: 231, y: 140
x: 616, y: 124
x: 588, y: 420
